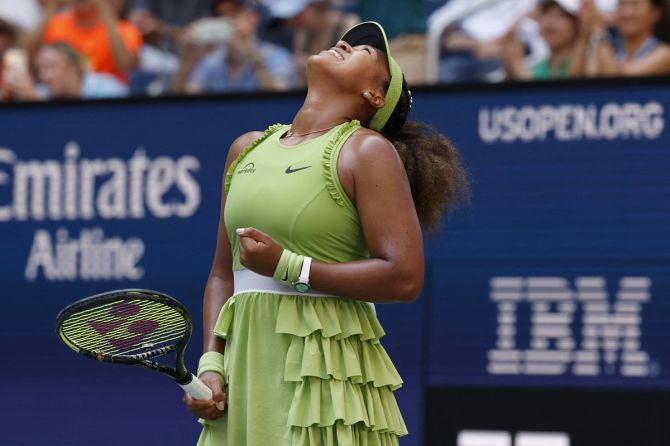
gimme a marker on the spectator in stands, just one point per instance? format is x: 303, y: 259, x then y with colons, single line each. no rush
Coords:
x: 7, y: 36
x: 639, y: 46
x: 559, y: 29
x: 472, y: 43
x: 62, y: 74
x: 94, y: 29
x: 165, y: 19
x: 24, y: 14
x: 241, y: 63
x: 315, y: 24
x: 7, y: 40
x: 161, y: 22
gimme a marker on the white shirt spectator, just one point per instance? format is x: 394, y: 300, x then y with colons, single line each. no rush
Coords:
x: 23, y: 13
x: 213, y: 74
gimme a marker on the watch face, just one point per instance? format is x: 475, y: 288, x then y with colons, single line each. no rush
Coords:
x: 301, y: 287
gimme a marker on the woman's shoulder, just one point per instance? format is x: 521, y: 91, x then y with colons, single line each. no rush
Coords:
x: 244, y: 140
x: 662, y: 48
x: 240, y: 143
x: 365, y: 151
x: 655, y: 63
x: 236, y: 152
x: 365, y: 142
x: 662, y: 53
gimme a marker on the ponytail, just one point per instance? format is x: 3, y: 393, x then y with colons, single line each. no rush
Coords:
x: 438, y: 180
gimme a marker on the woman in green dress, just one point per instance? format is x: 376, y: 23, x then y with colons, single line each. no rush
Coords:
x: 321, y: 219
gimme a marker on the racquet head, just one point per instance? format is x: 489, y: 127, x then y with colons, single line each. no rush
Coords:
x: 127, y: 326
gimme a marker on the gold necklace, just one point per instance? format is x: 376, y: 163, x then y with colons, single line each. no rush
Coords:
x: 290, y: 133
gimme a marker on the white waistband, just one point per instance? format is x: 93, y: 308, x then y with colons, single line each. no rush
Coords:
x: 247, y: 281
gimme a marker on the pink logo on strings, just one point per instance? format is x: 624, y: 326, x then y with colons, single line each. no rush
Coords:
x: 140, y: 329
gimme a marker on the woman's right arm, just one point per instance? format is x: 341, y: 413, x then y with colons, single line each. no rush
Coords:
x: 220, y: 282
x: 218, y: 290
x: 33, y: 40
x: 513, y: 57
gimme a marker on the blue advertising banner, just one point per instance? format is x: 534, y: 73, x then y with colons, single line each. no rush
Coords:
x: 557, y: 276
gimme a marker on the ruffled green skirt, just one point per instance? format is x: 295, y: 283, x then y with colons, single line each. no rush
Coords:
x: 304, y: 371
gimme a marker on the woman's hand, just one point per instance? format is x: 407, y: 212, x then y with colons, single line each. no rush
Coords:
x: 590, y: 20
x: 209, y: 409
x: 513, y: 55
x: 258, y: 251
x: 20, y: 84
x: 512, y: 48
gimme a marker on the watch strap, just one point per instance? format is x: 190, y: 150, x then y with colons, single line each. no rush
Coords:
x: 304, y: 271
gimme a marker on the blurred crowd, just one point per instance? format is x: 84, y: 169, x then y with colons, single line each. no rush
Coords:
x: 52, y: 49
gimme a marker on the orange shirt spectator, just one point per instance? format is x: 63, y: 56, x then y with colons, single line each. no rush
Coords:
x: 93, y: 42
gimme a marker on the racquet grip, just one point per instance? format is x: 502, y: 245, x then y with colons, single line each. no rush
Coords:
x: 197, y: 389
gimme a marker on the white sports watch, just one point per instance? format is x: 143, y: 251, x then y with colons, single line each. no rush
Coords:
x: 302, y: 284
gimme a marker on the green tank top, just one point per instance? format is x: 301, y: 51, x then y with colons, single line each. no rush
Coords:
x: 293, y: 194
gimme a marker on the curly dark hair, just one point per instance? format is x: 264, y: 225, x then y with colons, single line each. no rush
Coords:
x: 438, y: 180
x: 662, y: 27
x: 7, y: 29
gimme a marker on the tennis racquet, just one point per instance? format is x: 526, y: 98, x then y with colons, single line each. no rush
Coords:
x: 132, y: 327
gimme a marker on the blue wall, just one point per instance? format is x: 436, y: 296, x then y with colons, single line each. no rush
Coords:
x: 556, y: 276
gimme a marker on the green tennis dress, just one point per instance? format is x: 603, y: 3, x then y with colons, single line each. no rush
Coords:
x: 301, y: 369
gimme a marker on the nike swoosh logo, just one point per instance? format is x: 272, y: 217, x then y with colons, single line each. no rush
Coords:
x: 289, y: 170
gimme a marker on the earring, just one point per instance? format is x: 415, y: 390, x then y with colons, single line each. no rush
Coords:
x: 366, y: 94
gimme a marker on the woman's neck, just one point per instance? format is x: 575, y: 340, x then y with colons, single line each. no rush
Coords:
x: 320, y: 111
x: 559, y: 55
x: 73, y: 87
x: 77, y: 85
x: 633, y: 43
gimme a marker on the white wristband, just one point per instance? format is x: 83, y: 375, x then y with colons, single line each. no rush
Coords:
x: 304, y: 271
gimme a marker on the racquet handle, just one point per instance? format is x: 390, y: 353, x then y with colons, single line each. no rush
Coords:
x: 197, y: 389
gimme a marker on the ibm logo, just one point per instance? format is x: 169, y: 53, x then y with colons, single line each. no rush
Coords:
x: 610, y: 331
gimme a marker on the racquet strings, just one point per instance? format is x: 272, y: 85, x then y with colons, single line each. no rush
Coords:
x: 125, y: 327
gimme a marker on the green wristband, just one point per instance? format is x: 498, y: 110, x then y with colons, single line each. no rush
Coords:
x: 281, y: 270
x: 294, y: 269
x: 211, y: 362
x: 288, y: 268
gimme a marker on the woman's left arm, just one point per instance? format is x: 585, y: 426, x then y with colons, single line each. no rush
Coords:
x: 124, y: 58
x: 373, y: 176
x: 655, y: 63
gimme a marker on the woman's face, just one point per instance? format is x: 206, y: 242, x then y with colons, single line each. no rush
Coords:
x: 54, y: 71
x: 557, y: 27
x: 355, y: 69
x: 636, y: 17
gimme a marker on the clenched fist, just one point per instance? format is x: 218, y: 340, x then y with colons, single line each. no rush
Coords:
x: 258, y: 251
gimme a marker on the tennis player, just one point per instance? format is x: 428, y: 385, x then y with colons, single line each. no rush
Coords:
x: 321, y: 219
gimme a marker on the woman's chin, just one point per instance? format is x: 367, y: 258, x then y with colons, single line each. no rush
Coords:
x: 628, y: 30
x: 318, y: 57
x: 319, y: 60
